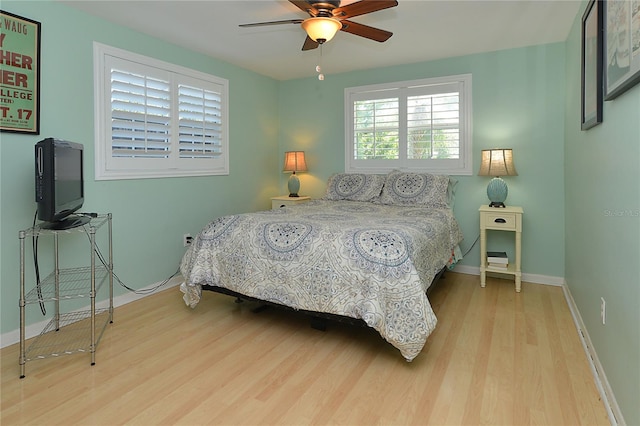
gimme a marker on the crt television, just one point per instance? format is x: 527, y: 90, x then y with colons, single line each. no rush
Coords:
x: 59, y: 183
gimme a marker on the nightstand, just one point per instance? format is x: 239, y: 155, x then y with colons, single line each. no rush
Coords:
x: 285, y: 200
x: 501, y: 219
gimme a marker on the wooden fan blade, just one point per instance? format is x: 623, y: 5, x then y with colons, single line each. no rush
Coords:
x: 262, y: 24
x: 365, y: 31
x: 362, y: 7
x: 309, y: 44
x: 304, y: 6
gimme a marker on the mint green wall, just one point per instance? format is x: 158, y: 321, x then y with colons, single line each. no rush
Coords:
x: 602, y: 183
x: 150, y: 215
x: 518, y: 102
x: 572, y: 184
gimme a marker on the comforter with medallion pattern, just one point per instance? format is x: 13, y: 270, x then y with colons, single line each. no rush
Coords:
x: 362, y: 260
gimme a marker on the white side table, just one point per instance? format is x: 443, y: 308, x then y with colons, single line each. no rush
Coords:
x: 502, y: 219
x: 285, y: 200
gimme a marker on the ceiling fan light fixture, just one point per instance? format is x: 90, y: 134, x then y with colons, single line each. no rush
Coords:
x: 321, y: 29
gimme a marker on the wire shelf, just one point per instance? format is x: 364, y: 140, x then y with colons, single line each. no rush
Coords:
x: 95, y: 223
x: 67, y: 332
x: 72, y: 335
x: 73, y: 285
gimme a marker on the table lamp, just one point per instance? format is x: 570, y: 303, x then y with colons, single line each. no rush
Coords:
x: 497, y: 162
x: 294, y: 162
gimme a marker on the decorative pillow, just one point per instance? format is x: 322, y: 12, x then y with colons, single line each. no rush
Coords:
x: 354, y: 186
x: 404, y: 188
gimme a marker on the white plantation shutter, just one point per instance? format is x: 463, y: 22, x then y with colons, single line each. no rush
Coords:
x: 376, y: 129
x: 433, y: 126
x: 140, y: 116
x: 421, y: 125
x: 200, y: 123
x: 156, y: 119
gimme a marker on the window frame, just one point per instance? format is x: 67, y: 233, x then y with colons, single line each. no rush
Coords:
x: 108, y: 167
x: 403, y: 90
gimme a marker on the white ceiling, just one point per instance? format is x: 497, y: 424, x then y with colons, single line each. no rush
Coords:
x: 422, y: 30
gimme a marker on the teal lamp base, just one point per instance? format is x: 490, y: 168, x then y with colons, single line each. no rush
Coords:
x: 497, y: 192
x: 294, y: 185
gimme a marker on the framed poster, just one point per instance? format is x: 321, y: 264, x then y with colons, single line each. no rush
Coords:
x: 622, y: 46
x: 592, y: 27
x: 19, y: 74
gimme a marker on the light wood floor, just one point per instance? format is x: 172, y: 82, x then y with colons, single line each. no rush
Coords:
x: 496, y: 357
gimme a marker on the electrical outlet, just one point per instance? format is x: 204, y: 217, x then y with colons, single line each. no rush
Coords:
x: 187, y: 239
x: 603, y: 311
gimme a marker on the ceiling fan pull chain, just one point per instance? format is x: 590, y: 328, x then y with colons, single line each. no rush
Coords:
x: 319, y: 67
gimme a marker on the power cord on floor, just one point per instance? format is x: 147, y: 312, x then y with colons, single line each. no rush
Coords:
x: 122, y: 284
x: 36, y: 266
x: 147, y: 290
x: 472, y: 245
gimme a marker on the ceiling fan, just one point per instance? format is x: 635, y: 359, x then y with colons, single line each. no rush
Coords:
x: 327, y: 18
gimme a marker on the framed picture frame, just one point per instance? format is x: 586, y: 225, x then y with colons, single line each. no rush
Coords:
x: 622, y: 47
x: 592, y: 73
x: 20, y: 82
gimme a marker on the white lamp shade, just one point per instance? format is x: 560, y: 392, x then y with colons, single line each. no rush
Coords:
x: 321, y: 29
x: 294, y: 162
x: 497, y: 162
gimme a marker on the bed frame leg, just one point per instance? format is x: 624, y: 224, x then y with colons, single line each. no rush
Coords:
x: 238, y: 300
x: 318, y: 324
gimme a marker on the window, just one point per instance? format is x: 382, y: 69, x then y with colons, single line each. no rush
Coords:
x: 155, y: 119
x: 420, y: 125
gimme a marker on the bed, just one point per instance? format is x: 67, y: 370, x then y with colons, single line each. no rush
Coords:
x: 368, y: 250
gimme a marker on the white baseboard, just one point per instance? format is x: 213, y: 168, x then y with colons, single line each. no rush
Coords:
x: 32, y: 330
x: 530, y: 278
x: 600, y: 378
